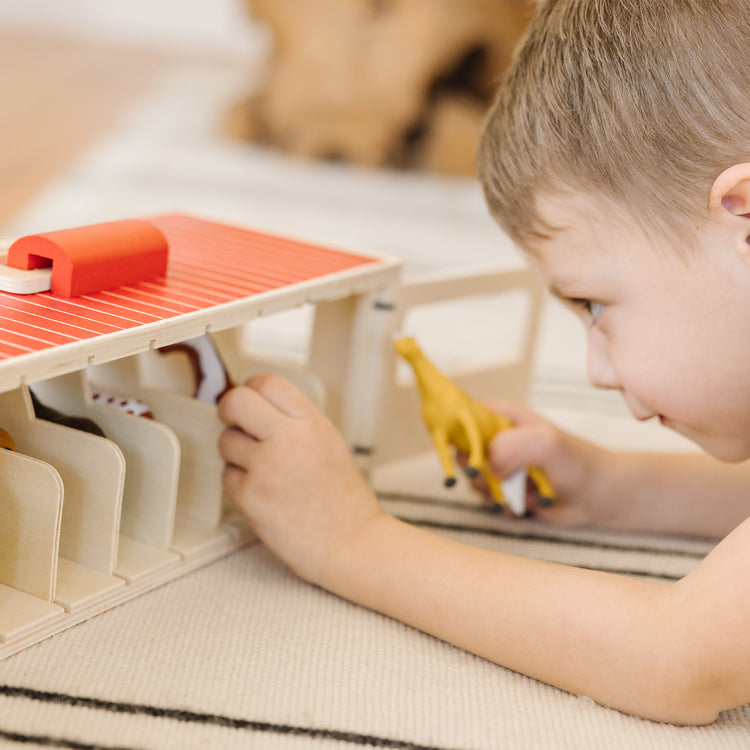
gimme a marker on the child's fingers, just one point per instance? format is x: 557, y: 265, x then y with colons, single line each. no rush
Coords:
x: 283, y: 394
x: 248, y: 410
x: 234, y: 482
x: 257, y: 407
x: 235, y: 447
x: 518, y: 448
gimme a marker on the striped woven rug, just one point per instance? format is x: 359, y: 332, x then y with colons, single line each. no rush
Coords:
x: 241, y: 654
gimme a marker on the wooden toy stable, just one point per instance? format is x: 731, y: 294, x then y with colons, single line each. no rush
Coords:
x: 88, y: 522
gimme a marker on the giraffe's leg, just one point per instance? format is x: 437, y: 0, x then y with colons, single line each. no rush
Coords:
x: 442, y: 446
x: 493, y: 483
x: 475, y: 442
x: 545, y: 489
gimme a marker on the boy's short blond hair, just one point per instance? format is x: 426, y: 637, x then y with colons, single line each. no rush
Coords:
x: 641, y: 102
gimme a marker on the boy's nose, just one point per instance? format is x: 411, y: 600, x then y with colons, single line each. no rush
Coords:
x: 599, y: 368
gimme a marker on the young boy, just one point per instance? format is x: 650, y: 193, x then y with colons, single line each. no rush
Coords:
x: 617, y: 155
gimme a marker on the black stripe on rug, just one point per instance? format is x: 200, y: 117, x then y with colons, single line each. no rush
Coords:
x: 437, y: 526
x: 525, y: 536
x: 42, y: 740
x: 192, y: 717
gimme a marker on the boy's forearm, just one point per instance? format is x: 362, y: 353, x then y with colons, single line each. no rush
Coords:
x: 589, y: 633
x: 687, y: 494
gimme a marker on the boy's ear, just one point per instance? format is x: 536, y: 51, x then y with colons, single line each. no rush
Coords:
x: 729, y: 200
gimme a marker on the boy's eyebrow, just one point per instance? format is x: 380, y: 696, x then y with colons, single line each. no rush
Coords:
x: 555, y: 284
x: 558, y: 285
x: 558, y: 293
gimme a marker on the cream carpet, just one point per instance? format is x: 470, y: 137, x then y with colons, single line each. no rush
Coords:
x: 240, y: 654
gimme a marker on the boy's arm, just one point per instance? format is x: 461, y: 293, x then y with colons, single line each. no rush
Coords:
x: 673, y: 652
x: 691, y: 493
x: 670, y: 652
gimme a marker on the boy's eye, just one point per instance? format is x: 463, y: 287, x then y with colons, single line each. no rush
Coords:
x: 593, y: 309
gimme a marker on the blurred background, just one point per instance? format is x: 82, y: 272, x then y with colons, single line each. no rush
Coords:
x: 347, y: 122
x: 167, y: 103
x: 220, y: 28
x: 70, y: 71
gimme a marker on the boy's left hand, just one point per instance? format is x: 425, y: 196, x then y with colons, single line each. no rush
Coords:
x: 579, y: 471
x: 291, y: 474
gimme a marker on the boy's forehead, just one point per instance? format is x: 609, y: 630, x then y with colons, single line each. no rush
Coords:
x: 586, y: 239
x: 562, y: 216
x: 567, y: 210
x: 559, y: 278
x: 581, y: 218
x: 557, y: 207
x: 563, y: 207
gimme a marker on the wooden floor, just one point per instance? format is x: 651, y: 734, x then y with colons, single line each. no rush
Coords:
x: 58, y: 96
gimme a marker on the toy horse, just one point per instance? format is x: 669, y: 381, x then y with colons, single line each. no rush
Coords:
x: 453, y: 418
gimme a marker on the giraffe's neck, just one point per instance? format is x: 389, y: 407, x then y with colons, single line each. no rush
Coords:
x: 426, y: 373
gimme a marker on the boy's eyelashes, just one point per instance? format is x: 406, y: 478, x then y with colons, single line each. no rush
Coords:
x: 582, y: 305
x: 589, y: 307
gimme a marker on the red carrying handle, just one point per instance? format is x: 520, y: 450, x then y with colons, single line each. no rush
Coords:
x: 96, y: 257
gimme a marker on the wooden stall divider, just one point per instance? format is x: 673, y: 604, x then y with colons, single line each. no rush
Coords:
x: 198, y: 527
x: 92, y: 470
x: 31, y: 501
x: 152, y: 459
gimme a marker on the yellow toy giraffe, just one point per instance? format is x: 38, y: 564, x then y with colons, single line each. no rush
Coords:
x: 453, y: 418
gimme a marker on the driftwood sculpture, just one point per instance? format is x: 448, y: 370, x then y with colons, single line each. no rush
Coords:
x: 380, y: 82
x: 453, y: 418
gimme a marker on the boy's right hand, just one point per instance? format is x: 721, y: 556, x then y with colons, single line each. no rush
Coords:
x: 576, y: 469
x: 292, y: 475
